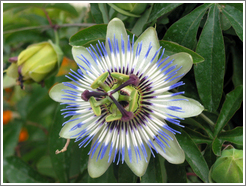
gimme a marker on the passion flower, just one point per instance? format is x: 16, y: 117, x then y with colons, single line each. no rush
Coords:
x: 119, y: 100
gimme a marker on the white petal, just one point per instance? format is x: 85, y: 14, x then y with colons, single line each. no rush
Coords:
x: 190, y: 107
x: 138, y: 167
x: 80, y: 52
x: 116, y: 28
x: 66, y: 129
x: 173, y: 154
x: 147, y: 37
x: 56, y: 92
x: 96, y: 168
x: 183, y: 60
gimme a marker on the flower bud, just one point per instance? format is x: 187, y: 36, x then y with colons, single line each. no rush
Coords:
x: 229, y: 167
x: 129, y: 9
x: 36, y: 63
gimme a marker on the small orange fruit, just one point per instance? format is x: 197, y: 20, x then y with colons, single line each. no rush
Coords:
x: 7, y: 116
x: 23, y: 135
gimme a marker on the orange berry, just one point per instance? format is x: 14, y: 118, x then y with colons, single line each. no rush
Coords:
x: 23, y: 135
x: 8, y: 90
x: 7, y: 116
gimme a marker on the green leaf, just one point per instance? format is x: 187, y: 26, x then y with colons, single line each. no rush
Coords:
x: 235, y: 17
x: 184, y: 31
x: 124, y: 12
x: 175, y: 173
x: 10, y: 137
x: 153, y: 173
x: 216, y: 146
x: 197, y: 137
x: 140, y: 23
x: 209, y: 155
x: 125, y: 174
x: 231, y: 105
x: 44, y: 166
x: 200, y: 124
x: 24, y: 36
x: 234, y: 136
x: 225, y: 23
x: 193, y: 155
x: 89, y: 35
x: 103, y: 8
x: 17, y: 171
x: 8, y: 6
x: 237, y: 62
x: 96, y: 13
x: 160, y: 9
x: 209, y: 75
x: 172, y: 48
x: 67, y: 7
x: 238, y: 6
x: 60, y: 162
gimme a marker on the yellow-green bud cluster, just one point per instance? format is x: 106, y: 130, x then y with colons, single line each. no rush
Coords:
x: 36, y: 63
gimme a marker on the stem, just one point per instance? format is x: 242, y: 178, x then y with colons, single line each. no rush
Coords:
x: 207, y: 119
x: 56, y: 37
x: 211, y: 123
x: 48, y: 17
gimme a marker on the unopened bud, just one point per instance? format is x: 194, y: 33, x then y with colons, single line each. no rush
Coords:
x: 229, y: 167
x: 36, y: 63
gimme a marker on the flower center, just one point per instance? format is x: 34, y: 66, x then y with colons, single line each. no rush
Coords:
x: 117, y: 94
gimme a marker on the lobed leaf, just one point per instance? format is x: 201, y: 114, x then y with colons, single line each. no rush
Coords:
x: 234, y: 136
x: 160, y: 9
x: 193, y: 155
x: 231, y: 105
x: 89, y: 35
x: 235, y: 16
x: 209, y: 75
x: 184, y: 31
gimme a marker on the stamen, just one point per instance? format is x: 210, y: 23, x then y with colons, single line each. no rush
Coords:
x: 64, y: 148
x: 87, y: 94
x: 133, y: 80
x: 126, y: 116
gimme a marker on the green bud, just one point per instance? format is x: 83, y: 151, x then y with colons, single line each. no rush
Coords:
x: 129, y: 9
x: 229, y: 167
x: 36, y: 63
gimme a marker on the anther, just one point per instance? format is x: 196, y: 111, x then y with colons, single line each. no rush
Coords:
x: 133, y: 80
x: 126, y: 116
x: 87, y: 94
